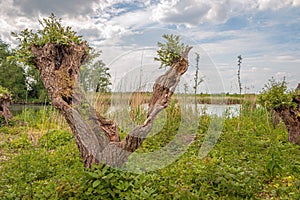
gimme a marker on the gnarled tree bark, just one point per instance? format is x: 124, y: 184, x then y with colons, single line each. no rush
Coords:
x: 97, y: 138
x: 291, y: 118
x: 5, y: 101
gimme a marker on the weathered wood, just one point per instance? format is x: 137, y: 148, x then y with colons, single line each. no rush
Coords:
x: 275, y: 118
x: 97, y: 138
x: 5, y: 101
x: 291, y: 118
x: 59, y: 70
x: 163, y: 90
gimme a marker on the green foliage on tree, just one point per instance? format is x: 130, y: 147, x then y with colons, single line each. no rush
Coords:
x: 102, y: 78
x: 36, y: 89
x: 3, y: 91
x: 170, y: 51
x: 12, y: 75
x: 52, y: 32
x: 95, y: 76
x: 276, y: 96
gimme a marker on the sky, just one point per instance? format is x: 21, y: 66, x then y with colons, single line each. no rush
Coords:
x: 266, y: 33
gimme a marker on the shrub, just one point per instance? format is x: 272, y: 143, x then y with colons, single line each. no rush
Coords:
x: 276, y: 96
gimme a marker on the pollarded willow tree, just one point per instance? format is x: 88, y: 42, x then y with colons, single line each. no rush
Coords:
x: 57, y: 52
x: 5, y: 100
x: 284, y: 105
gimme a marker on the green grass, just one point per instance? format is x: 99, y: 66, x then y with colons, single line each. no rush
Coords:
x: 251, y: 160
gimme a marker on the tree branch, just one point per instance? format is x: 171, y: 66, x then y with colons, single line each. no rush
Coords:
x: 97, y: 138
x: 116, y: 154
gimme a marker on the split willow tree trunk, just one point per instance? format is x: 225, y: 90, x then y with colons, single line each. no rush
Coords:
x: 291, y: 118
x: 97, y: 138
x: 5, y: 101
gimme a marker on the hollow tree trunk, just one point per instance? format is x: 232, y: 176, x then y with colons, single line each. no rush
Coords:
x: 291, y: 118
x: 59, y: 71
x: 5, y: 100
x: 97, y: 138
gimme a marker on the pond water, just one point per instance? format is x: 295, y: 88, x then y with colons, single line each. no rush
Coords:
x: 217, y: 109
x: 210, y: 109
x: 18, y: 108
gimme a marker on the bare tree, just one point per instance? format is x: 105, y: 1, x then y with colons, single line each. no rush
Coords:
x: 198, y: 80
x: 239, y: 73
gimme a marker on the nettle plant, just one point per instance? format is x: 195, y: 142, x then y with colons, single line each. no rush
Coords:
x: 276, y: 96
x: 52, y: 32
x: 169, y: 52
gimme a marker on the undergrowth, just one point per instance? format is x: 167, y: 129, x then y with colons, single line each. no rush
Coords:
x: 251, y: 160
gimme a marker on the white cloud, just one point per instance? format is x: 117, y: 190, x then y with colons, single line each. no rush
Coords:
x: 112, y: 23
x: 195, y: 12
x: 8, y: 20
x: 276, y: 4
x: 61, y: 8
x: 191, y: 12
x: 133, y: 20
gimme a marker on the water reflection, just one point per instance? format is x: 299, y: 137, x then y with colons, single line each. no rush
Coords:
x: 216, y: 109
x: 17, y: 109
x: 209, y: 109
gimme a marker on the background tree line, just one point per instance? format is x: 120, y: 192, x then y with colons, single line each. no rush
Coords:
x: 12, y: 74
x: 25, y: 85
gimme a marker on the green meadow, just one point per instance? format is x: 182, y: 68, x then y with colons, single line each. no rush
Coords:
x: 251, y: 159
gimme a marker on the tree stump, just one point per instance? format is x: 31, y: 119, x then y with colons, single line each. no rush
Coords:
x: 291, y: 118
x: 5, y: 100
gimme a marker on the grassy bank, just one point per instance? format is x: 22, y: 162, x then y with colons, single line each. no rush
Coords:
x: 251, y: 160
